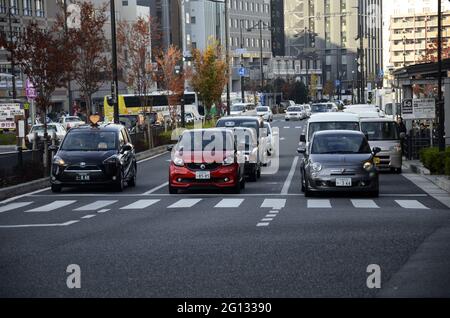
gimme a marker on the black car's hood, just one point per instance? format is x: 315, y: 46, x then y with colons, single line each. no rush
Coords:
x: 94, y: 157
x: 333, y: 160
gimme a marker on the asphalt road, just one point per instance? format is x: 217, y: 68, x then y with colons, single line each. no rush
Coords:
x: 270, y: 241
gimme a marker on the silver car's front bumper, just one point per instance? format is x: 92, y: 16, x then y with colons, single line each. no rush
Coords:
x: 389, y: 160
x: 361, y: 182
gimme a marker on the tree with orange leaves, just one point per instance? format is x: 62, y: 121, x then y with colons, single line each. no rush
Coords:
x: 209, y: 74
x: 430, y: 55
x: 172, y: 77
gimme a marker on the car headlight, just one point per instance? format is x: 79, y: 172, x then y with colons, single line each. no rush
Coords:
x: 178, y: 161
x: 368, y: 166
x: 316, y: 167
x: 229, y: 160
x: 111, y: 160
x: 396, y: 148
x: 58, y: 161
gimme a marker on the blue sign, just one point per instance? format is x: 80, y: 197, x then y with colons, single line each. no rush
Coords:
x: 242, y: 71
x: 381, y: 74
x: 337, y: 83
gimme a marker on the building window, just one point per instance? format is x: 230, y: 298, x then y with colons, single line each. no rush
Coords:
x: 14, y: 6
x: 27, y: 10
x: 39, y: 5
x: 125, y: 3
x: 3, y: 6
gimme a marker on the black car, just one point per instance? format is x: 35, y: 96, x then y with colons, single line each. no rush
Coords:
x: 339, y: 160
x: 95, y: 155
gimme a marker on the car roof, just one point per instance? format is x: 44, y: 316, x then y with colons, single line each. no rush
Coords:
x: 338, y: 132
x: 379, y: 119
x: 209, y: 130
x: 240, y: 118
x: 103, y: 127
x: 324, y: 117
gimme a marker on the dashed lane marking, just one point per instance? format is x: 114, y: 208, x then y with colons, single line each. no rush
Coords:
x: 52, y: 206
x: 139, y: 205
x: 96, y: 205
x: 13, y: 206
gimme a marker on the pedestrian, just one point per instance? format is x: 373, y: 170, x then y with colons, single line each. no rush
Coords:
x: 401, y: 125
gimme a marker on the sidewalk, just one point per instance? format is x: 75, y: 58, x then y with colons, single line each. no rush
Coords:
x: 417, y: 167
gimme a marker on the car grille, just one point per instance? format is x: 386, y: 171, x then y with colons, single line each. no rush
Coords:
x: 208, y: 166
x: 84, y: 168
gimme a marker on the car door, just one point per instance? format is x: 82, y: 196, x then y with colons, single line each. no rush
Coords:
x: 127, y: 155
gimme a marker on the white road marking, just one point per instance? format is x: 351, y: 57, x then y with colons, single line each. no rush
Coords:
x: 139, y: 205
x: 274, y: 212
x: 298, y: 127
x: 38, y: 225
x: 23, y: 195
x: 165, y: 184
x: 161, y: 154
x: 184, y: 203
x: 411, y: 204
x: 267, y: 220
x: 96, y: 205
x: 365, y: 204
x: 229, y: 203
x: 271, y: 215
x: 103, y: 210
x: 274, y: 203
x: 13, y: 206
x: 282, y: 138
x: 288, y: 181
x: 322, y: 204
x: 52, y: 206
x: 89, y: 216
x: 286, y: 127
x: 262, y: 224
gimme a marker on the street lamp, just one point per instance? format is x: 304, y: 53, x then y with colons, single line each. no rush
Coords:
x: 115, y: 83
x: 13, y: 62
x: 261, y: 26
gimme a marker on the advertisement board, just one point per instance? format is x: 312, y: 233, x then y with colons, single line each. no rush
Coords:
x: 7, y: 113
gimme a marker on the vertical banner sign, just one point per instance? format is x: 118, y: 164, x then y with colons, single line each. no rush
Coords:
x: 407, y: 109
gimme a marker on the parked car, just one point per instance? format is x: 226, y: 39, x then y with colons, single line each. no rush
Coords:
x: 94, y: 155
x: 39, y: 129
x: 255, y: 123
x: 319, y: 108
x: 307, y: 108
x: 71, y: 122
x: 339, y: 160
x: 265, y: 112
x: 206, y: 158
x: 384, y: 134
x: 295, y: 113
x: 271, y: 143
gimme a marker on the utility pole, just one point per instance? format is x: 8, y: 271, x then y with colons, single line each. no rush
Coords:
x: 69, y: 84
x: 242, y: 63
x: 227, y: 58
x: 115, y: 83
x: 440, y: 108
x: 361, y: 94
x: 13, y: 61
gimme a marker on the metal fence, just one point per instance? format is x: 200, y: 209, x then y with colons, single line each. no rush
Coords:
x: 414, y: 143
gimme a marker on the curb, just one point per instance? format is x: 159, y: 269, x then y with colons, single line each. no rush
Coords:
x: 43, y: 183
x: 418, y: 169
x: 442, y: 182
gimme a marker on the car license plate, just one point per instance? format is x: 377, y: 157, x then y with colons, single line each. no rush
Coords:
x: 202, y: 175
x: 344, y: 182
x: 376, y: 160
x: 83, y: 177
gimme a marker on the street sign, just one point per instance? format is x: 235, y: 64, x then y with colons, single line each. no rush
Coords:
x: 242, y: 71
x: 29, y: 90
x: 337, y: 83
x: 407, y: 109
x: 26, y: 106
x: 240, y: 51
x: 424, y: 108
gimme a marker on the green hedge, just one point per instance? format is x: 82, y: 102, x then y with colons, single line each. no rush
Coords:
x: 437, y: 162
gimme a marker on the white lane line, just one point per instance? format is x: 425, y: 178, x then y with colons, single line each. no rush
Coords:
x: 229, y: 203
x: 267, y: 220
x: 184, y: 203
x: 282, y: 139
x: 165, y: 184
x: 271, y: 212
x: 319, y: 204
x: 274, y: 203
x: 52, y: 206
x: 262, y: 224
x: 271, y: 215
x: 139, y: 205
x: 96, y: 205
x: 288, y: 181
x: 365, y: 204
x: 38, y: 225
x: 411, y: 204
x: 298, y: 127
x: 89, y: 216
x: 286, y: 127
x: 161, y: 154
x: 103, y: 210
x: 23, y: 195
x: 13, y: 206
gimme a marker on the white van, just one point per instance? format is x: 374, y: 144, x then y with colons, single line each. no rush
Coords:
x: 329, y: 121
x: 384, y: 134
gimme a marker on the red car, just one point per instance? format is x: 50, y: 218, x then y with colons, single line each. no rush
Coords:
x: 206, y: 158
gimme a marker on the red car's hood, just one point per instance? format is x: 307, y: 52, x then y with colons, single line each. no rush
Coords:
x: 204, y: 156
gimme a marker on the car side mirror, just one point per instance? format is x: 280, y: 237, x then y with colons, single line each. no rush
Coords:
x: 376, y: 150
x: 301, y: 150
x: 169, y: 148
x: 302, y: 138
x: 53, y: 148
x: 126, y: 147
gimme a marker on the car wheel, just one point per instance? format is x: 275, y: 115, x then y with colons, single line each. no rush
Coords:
x: 287, y: 119
x: 258, y: 173
x: 56, y: 188
x: 237, y: 187
x: 398, y: 170
x: 307, y: 192
x: 120, y: 183
x: 243, y: 183
x: 254, y: 175
x: 375, y: 194
x: 303, y: 183
x: 172, y: 190
x: 132, y: 181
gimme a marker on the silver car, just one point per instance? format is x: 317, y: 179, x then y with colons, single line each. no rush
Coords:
x: 339, y: 161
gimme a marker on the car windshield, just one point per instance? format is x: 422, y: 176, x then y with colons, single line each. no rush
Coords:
x: 206, y: 141
x: 340, y: 144
x: 231, y: 123
x: 380, y: 130
x: 38, y: 129
x: 294, y: 109
x: 90, y: 140
x: 262, y: 109
x: 72, y: 119
x: 319, y: 108
x: 331, y: 125
x: 237, y: 108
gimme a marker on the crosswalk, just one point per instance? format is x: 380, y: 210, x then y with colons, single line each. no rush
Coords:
x: 214, y: 203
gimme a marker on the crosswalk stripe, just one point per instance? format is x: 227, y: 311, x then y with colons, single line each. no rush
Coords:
x: 229, y: 203
x: 184, y: 203
x: 411, y: 204
x: 52, y: 206
x: 262, y: 224
x: 140, y: 204
x: 298, y: 127
x: 275, y: 204
x: 365, y: 204
x: 13, y: 206
x: 96, y: 205
x: 323, y: 204
x: 286, y: 127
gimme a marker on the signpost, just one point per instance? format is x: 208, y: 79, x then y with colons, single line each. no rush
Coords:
x: 419, y: 108
x: 407, y: 109
x: 8, y: 111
